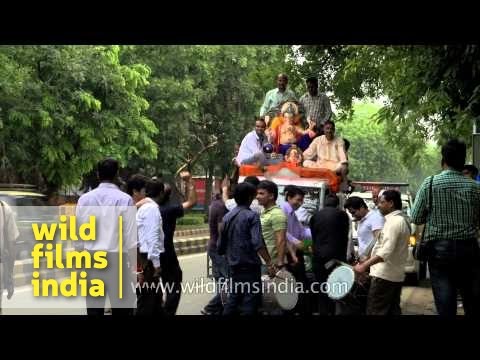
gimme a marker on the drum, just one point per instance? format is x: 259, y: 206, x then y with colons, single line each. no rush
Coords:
x: 279, y: 293
x: 340, y: 282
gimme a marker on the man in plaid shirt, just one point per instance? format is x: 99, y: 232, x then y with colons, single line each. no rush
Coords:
x: 316, y: 105
x: 452, y: 221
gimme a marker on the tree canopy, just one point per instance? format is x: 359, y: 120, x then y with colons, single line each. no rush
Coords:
x: 429, y: 92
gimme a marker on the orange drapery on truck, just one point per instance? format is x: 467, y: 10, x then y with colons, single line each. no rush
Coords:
x: 325, y: 174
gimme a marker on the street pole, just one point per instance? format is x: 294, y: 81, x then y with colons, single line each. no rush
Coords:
x: 476, y: 142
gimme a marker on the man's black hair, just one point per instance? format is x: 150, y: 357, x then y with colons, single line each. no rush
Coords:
x: 252, y: 180
x: 270, y: 186
x: 244, y: 194
x: 454, y: 153
x: 331, y: 201
x: 154, y: 188
x: 136, y: 182
x: 312, y: 79
x: 355, y: 202
x: 393, y: 195
x: 107, y: 169
x: 292, y: 191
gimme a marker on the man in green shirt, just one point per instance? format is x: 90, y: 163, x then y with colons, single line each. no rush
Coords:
x: 449, y: 205
x: 274, y: 222
x: 277, y: 96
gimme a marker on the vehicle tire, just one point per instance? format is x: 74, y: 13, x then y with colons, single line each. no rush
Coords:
x: 422, y: 270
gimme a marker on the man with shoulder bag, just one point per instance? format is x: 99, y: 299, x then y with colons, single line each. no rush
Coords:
x: 449, y: 206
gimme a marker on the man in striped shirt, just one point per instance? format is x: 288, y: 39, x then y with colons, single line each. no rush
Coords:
x: 452, y: 221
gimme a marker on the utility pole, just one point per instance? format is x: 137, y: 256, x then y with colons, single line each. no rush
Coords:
x: 476, y: 142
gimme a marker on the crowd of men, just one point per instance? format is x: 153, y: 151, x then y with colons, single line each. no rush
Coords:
x: 252, y: 235
x: 272, y: 233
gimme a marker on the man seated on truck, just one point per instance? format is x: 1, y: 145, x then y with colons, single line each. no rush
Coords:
x: 327, y: 152
x: 252, y: 150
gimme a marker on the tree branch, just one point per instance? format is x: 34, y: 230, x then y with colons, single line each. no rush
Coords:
x: 195, y: 158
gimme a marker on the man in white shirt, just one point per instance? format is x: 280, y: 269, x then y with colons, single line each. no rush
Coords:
x: 251, y: 148
x: 388, y: 259
x: 107, y: 202
x: 370, y: 223
x: 150, y: 246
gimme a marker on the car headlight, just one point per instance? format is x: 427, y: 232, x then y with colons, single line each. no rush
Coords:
x: 412, y: 241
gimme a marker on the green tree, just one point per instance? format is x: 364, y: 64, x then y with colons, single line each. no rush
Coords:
x: 372, y: 156
x: 430, y: 91
x: 62, y: 108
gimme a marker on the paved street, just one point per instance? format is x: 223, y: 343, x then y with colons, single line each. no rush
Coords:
x: 416, y: 300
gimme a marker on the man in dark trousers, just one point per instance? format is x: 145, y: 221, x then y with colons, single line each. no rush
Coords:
x: 216, y: 212
x: 171, y: 271
x: 329, y: 228
x: 449, y: 206
x: 241, y: 240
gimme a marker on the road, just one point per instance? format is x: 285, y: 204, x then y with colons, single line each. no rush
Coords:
x: 416, y: 300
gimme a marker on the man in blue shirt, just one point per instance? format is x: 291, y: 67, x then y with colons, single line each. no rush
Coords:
x: 241, y: 240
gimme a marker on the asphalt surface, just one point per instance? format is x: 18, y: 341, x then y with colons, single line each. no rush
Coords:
x: 416, y: 300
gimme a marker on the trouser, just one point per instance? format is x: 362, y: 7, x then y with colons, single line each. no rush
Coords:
x: 172, y: 279
x: 245, y: 295
x: 220, y: 275
x: 355, y: 303
x: 326, y: 306
x: 122, y: 299
x: 455, y: 266
x: 299, y: 273
x: 384, y: 297
x: 149, y: 294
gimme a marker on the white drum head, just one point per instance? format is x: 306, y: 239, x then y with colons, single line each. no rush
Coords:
x: 340, y: 282
x: 285, y: 295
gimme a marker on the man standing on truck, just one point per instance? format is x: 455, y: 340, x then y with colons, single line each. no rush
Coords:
x: 316, y: 105
x: 275, y: 97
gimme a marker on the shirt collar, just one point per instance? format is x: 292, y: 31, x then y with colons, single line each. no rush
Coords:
x: 393, y: 213
x: 107, y: 185
x: 451, y: 171
x: 366, y: 216
x: 270, y: 209
x: 288, y: 208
